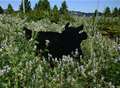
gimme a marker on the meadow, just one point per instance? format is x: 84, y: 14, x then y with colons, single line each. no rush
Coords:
x: 21, y: 68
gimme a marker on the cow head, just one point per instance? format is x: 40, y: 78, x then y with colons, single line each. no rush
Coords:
x: 83, y: 35
x: 74, y: 35
x: 28, y: 33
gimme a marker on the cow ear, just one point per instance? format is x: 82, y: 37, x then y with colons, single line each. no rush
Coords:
x: 25, y: 29
x: 67, y: 25
x: 80, y: 27
x: 28, y: 33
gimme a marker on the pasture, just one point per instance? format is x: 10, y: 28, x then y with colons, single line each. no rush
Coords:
x: 21, y: 68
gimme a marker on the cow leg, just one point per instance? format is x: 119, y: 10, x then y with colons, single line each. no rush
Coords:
x: 78, y: 55
x: 38, y: 50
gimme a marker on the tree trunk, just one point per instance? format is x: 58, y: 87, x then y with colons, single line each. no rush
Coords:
x: 23, y: 6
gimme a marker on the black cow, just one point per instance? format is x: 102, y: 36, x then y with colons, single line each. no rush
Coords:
x: 65, y: 43
x: 68, y: 42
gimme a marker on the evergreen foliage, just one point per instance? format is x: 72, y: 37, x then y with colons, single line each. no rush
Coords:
x: 43, y: 5
x: 64, y: 12
x: 55, y: 14
x: 115, y: 12
x: 95, y: 13
x: 107, y: 12
x: 63, y: 9
x: 1, y: 10
x: 41, y: 10
x: 36, y: 6
x: 27, y: 6
x: 10, y: 9
x: 119, y: 12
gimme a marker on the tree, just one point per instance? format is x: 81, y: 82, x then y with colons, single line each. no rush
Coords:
x: 95, y: 13
x: 119, y: 12
x: 23, y: 5
x: 10, y: 9
x: 63, y: 9
x: 1, y: 10
x: 36, y: 6
x: 107, y: 12
x: 115, y: 12
x: 64, y: 12
x: 42, y: 9
x: 43, y: 5
x: 55, y: 14
x: 26, y: 7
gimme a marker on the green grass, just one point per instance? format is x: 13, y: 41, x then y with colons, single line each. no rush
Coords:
x: 99, y: 68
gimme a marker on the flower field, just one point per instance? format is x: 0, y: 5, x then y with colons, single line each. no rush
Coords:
x: 21, y: 68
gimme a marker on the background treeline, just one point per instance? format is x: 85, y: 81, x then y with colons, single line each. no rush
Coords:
x: 43, y: 9
x: 115, y: 12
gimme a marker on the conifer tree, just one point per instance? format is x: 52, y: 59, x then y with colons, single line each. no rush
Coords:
x: 36, y: 6
x: 55, y: 14
x: 43, y: 5
x: 63, y: 9
x: 27, y: 6
x: 64, y: 12
x: 1, y: 10
x: 10, y: 9
x: 115, y: 12
x: 107, y: 12
x: 95, y: 13
x: 119, y: 12
x: 42, y: 9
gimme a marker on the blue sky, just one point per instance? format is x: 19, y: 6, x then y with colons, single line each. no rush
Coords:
x: 77, y: 5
